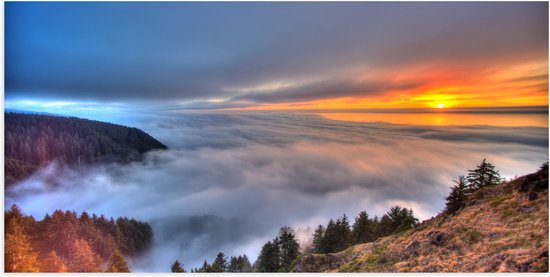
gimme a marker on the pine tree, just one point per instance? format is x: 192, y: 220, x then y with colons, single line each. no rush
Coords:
x: 118, y: 263
x: 205, y: 267
x: 318, y: 240
x: 484, y: 174
x: 220, y: 263
x: 53, y: 263
x: 289, y: 249
x: 233, y: 264
x: 19, y: 255
x: 83, y: 259
x: 344, y: 233
x: 269, y: 257
x: 362, y: 229
x: 177, y: 267
x: 330, y: 239
x: 244, y: 263
x: 457, y: 197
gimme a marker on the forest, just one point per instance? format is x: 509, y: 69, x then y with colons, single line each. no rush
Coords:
x: 33, y: 140
x: 67, y: 242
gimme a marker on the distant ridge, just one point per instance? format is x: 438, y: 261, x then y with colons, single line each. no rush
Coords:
x: 34, y: 140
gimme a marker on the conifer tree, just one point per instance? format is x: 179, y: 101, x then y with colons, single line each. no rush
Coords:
x: 362, y: 229
x: 177, y: 267
x: 330, y: 239
x: 344, y: 233
x: 220, y: 263
x: 83, y: 258
x: 205, y: 267
x: 53, y: 263
x: 244, y: 263
x: 484, y: 174
x: 269, y: 257
x: 457, y: 197
x: 19, y: 255
x: 318, y: 240
x: 118, y: 263
x: 289, y: 249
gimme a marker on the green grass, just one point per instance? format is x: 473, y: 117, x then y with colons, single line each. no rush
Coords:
x: 474, y: 236
x: 498, y: 200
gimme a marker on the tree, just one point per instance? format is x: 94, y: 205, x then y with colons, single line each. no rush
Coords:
x: 484, y: 174
x: 83, y: 259
x: 205, y: 267
x: 177, y: 267
x: 220, y: 263
x: 19, y: 255
x: 363, y: 229
x: 233, y: 264
x: 289, y: 249
x: 118, y: 263
x: 457, y: 197
x: 397, y: 220
x: 318, y: 240
x: 269, y: 257
x: 53, y: 263
x: 330, y: 239
x: 344, y: 237
x: 244, y: 264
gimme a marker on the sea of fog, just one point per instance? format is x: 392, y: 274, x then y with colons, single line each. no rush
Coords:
x: 230, y: 180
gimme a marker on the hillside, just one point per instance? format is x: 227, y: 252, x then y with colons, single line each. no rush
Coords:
x: 33, y: 140
x: 503, y: 228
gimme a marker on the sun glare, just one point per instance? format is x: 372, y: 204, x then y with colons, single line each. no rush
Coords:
x: 440, y: 106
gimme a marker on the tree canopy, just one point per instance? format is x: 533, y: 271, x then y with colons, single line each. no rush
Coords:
x: 33, y: 140
x: 65, y: 242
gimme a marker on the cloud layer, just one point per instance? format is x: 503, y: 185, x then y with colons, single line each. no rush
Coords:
x: 231, y: 180
x: 195, y: 52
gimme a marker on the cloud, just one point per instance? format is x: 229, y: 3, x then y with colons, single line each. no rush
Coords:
x: 195, y: 51
x: 327, y: 89
x: 231, y: 179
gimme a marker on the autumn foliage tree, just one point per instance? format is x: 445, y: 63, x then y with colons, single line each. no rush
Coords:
x: 19, y: 256
x: 65, y: 242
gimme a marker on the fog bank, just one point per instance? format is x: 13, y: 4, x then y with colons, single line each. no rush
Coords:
x: 230, y: 180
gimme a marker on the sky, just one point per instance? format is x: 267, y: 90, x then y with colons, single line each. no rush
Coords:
x: 284, y: 55
x: 229, y: 180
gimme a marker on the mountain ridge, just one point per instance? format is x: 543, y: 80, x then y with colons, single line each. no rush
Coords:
x: 34, y: 140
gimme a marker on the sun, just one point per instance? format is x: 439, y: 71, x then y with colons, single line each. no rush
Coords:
x: 440, y: 106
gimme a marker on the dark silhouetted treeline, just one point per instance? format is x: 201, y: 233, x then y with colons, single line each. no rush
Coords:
x: 339, y: 235
x: 220, y: 264
x: 32, y: 140
x: 66, y: 242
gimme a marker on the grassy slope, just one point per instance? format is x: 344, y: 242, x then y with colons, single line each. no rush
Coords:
x: 501, y: 230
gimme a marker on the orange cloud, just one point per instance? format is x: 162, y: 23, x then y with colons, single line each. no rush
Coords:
x: 454, y: 86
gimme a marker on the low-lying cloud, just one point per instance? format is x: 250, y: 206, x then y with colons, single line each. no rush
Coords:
x: 230, y: 180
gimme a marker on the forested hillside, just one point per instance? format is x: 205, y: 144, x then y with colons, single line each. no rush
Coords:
x: 66, y: 242
x: 33, y: 140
